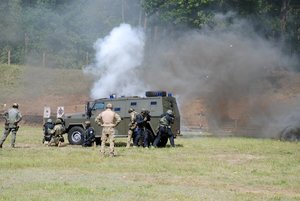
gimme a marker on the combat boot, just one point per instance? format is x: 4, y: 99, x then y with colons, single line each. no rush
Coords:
x: 102, y: 154
x: 0, y: 146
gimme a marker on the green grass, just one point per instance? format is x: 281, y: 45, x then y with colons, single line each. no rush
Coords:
x: 203, y: 168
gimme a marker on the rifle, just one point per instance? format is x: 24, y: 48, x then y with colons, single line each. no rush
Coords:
x: 4, y: 116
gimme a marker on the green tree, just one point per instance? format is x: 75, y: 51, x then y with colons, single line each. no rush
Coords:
x: 10, y: 32
x: 65, y: 30
x: 193, y: 13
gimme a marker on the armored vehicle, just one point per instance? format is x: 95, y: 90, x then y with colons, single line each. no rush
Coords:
x: 156, y: 102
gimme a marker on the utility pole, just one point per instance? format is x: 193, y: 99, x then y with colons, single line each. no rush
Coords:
x: 285, y: 8
x: 8, y: 57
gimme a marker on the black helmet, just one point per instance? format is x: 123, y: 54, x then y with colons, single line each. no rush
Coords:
x: 15, y: 105
x: 144, y: 111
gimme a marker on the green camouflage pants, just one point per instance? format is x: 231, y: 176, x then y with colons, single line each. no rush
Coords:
x: 55, y: 140
x: 13, y: 136
x: 108, y: 133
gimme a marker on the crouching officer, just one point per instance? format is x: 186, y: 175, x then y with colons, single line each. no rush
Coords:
x: 12, y: 117
x: 89, y: 135
x: 47, y: 127
x: 165, y: 128
x: 57, y: 132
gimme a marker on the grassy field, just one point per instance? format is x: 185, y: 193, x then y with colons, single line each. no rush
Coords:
x: 203, y: 168
x: 36, y: 87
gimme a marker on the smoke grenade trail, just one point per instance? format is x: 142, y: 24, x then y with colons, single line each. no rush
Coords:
x: 118, y: 58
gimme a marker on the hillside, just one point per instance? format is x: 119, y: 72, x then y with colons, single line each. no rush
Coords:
x: 36, y: 87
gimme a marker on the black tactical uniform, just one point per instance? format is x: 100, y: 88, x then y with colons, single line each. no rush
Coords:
x: 165, y: 128
x: 88, y: 137
x: 142, y: 132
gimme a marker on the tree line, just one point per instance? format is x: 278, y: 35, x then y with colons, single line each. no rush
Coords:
x: 277, y: 20
x: 64, y: 31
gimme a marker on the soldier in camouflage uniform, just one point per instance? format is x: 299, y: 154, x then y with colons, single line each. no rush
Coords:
x: 57, y: 132
x: 132, y: 125
x: 12, y: 117
x: 108, y: 119
x: 47, y: 127
x: 165, y: 128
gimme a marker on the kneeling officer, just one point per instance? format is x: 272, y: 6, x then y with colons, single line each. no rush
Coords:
x: 57, y: 132
x: 89, y: 135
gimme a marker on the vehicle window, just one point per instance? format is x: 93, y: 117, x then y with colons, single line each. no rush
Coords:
x: 133, y: 103
x: 99, y: 105
x: 117, y: 109
x: 153, y: 103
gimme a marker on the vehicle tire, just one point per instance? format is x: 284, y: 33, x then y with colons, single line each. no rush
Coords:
x: 75, y: 135
x: 163, y: 141
x: 155, y: 93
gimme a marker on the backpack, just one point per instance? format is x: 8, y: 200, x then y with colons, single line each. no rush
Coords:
x: 164, y: 121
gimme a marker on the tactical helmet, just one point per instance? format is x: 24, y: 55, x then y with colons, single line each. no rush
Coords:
x: 170, y: 112
x: 15, y: 105
x: 58, y: 121
x: 109, y: 105
x: 130, y: 110
x: 49, y: 121
x: 87, y: 123
x: 144, y: 111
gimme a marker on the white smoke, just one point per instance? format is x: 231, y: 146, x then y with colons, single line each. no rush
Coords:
x: 118, y: 59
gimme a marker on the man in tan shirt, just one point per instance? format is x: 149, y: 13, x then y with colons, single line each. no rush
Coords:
x: 108, y: 119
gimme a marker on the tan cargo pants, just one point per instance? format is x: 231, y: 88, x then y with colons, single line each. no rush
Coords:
x: 108, y: 133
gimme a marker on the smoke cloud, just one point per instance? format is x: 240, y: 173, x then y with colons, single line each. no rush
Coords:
x: 231, y: 68
x: 118, y: 58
